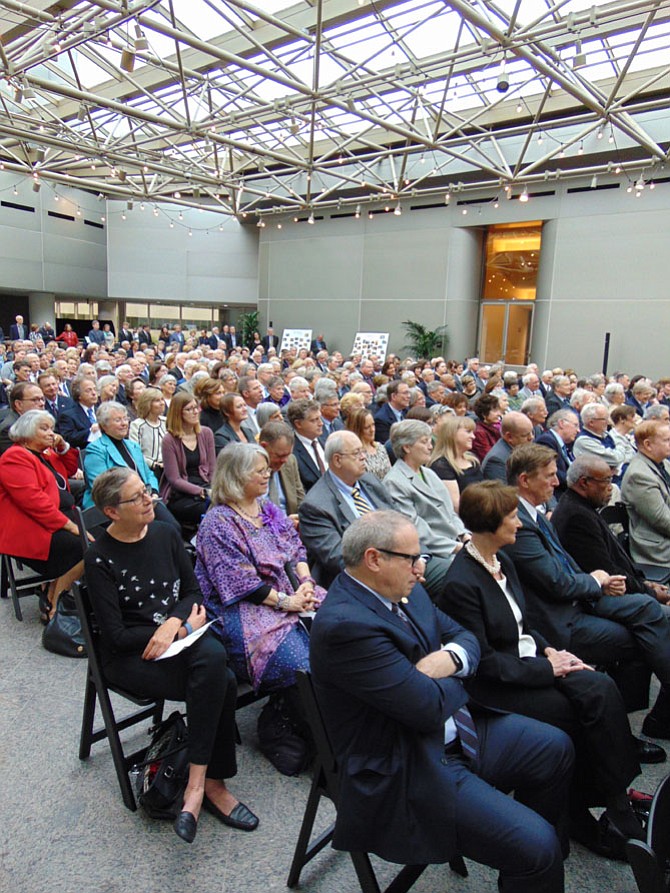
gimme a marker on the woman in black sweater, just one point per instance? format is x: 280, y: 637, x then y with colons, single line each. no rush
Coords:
x: 142, y: 605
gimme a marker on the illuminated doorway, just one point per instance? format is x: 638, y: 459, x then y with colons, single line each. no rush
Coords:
x: 510, y: 283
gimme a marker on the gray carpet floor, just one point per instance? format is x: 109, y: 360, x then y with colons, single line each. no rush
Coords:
x: 64, y: 827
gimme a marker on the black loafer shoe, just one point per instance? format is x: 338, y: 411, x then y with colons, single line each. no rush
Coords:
x: 654, y: 728
x: 241, y: 816
x: 648, y: 752
x: 185, y: 826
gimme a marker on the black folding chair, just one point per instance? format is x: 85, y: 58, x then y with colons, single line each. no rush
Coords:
x: 98, y: 689
x: 325, y: 784
x: 19, y: 582
x: 650, y: 859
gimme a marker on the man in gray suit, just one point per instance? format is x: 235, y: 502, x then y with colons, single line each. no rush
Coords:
x: 343, y: 493
x: 515, y: 428
x: 646, y: 493
x: 285, y: 488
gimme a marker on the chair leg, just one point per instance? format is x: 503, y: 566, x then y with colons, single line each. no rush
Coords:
x: 304, y: 851
x: 364, y: 873
x: 118, y: 756
x: 649, y: 875
x: 87, y: 720
x: 12, y: 587
x: 458, y: 866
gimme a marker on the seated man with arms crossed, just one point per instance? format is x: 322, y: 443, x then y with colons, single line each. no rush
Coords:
x: 421, y: 779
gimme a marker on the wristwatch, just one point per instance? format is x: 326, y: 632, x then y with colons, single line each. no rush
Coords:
x: 458, y: 663
x: 282, y: 598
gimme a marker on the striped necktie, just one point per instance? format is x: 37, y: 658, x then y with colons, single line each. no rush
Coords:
x: 467, y: 732
x: 317, y: 455
x: 362, y: 507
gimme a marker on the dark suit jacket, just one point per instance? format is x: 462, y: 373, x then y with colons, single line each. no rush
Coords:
x: 385, y: 720
x: 494, y: 466
x: 336, y: 425
x: 325, y: 515
x: 75, y: 426
x: 5, y: 425
x: 14, y: 332
x: 62, y: 403
x: 269, y: 341
x: 144, y: 337
x: 585, y: 535
x: 548, y: 439
x: 127, y: 335
x: 554, y: 403
x: 317, y: 345
x: 556, y: 589
x: 307, y: 467
x: 384, y: 418
x: 225, y: 435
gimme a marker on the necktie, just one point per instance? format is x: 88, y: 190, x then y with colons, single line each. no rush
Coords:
x: 273, y: 490
x: 53, y: 409
x: 558, y: 549
x: 91, y: 415
x: 317, y: 456
x: 363, y: 508
x: 467, y: 732
x: 564, y: 453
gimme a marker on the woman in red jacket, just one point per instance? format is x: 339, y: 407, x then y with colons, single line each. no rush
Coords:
x: 68, y: 336
x: 35, y: 499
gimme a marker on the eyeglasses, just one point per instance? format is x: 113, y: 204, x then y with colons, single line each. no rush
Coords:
x: 33, y: 399
x: 411, y: 558
x: 191, y: 409
x: 145, y: 493
x: 598, y: 480
x: 263, y: 472
x: 357, y: 454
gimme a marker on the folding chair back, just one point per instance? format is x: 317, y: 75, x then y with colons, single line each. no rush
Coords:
x: 98, y: 689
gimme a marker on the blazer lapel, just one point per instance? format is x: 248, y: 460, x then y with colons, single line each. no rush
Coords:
x: 342, y: 503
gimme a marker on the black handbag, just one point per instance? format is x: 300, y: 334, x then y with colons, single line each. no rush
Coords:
x: 163, y: 774
x: 62, y: 634
x: 281, y: 737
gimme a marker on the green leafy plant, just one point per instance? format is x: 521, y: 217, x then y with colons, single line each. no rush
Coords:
x: 247, y: 324
x: 424, y: 342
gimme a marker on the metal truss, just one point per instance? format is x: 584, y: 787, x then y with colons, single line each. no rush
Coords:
x: 250, y: 110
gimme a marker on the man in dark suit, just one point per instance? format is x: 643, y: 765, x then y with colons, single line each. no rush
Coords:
x: 77, y: 423
x: 285, y: 488
x: 330, y: 411
x: 387, y: 669
x: 588, y: 614
x: 394, y: 410
x: 515, y: 429
x: 18, y: 331
x: 559, y: 398
x: 55, y: 403
x: 330, y: 507
x: 125, y: 333
x: 270, y: 340
x: 24, y: 396
x: 562, y: 429
x: 304, y: 416
x: 318, y: 344
x: 144, y: 335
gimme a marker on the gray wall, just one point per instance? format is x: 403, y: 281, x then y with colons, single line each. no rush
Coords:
x: 603, y: 267
x: 147, y: 259
x: 40, y: 253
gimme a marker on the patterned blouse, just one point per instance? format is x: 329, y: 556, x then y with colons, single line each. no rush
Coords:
x: 378, y: 463
x: 235, y: 559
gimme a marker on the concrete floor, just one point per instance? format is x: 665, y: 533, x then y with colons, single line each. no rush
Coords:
x: 65, y: 829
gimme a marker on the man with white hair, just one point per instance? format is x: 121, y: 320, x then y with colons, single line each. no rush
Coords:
x: 559, y: 398
x: 298, y: 388
x: 531, y: 386
x: 593, y: 439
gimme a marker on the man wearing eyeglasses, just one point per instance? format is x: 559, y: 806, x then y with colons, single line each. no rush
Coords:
x: 340, y: 496
x: 24, y: 396
x: 422, y: 777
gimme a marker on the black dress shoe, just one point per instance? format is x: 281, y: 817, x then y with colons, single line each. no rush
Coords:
x: 185, y: 826
x: 241, y: 817
x: 647, y: 752
x: 655, y: 728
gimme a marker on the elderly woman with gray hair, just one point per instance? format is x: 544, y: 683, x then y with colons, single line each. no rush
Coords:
x: 253, y: 572
x: 35, y: 500
x: 416, y: 491
x: 113, y: 449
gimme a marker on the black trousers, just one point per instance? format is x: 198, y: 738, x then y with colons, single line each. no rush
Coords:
x: 588, y: 707
x: 188, y: 509
x: 200, y: 677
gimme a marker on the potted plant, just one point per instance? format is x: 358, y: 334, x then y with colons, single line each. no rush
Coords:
x: 425, y: 342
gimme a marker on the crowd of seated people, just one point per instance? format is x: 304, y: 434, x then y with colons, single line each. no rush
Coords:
x: 270, y: 457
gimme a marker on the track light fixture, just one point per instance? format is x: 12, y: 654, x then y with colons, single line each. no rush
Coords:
x: 127, y: 62
x: 141, y: 42
x: 579, y: 59
x: 524, y: 195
